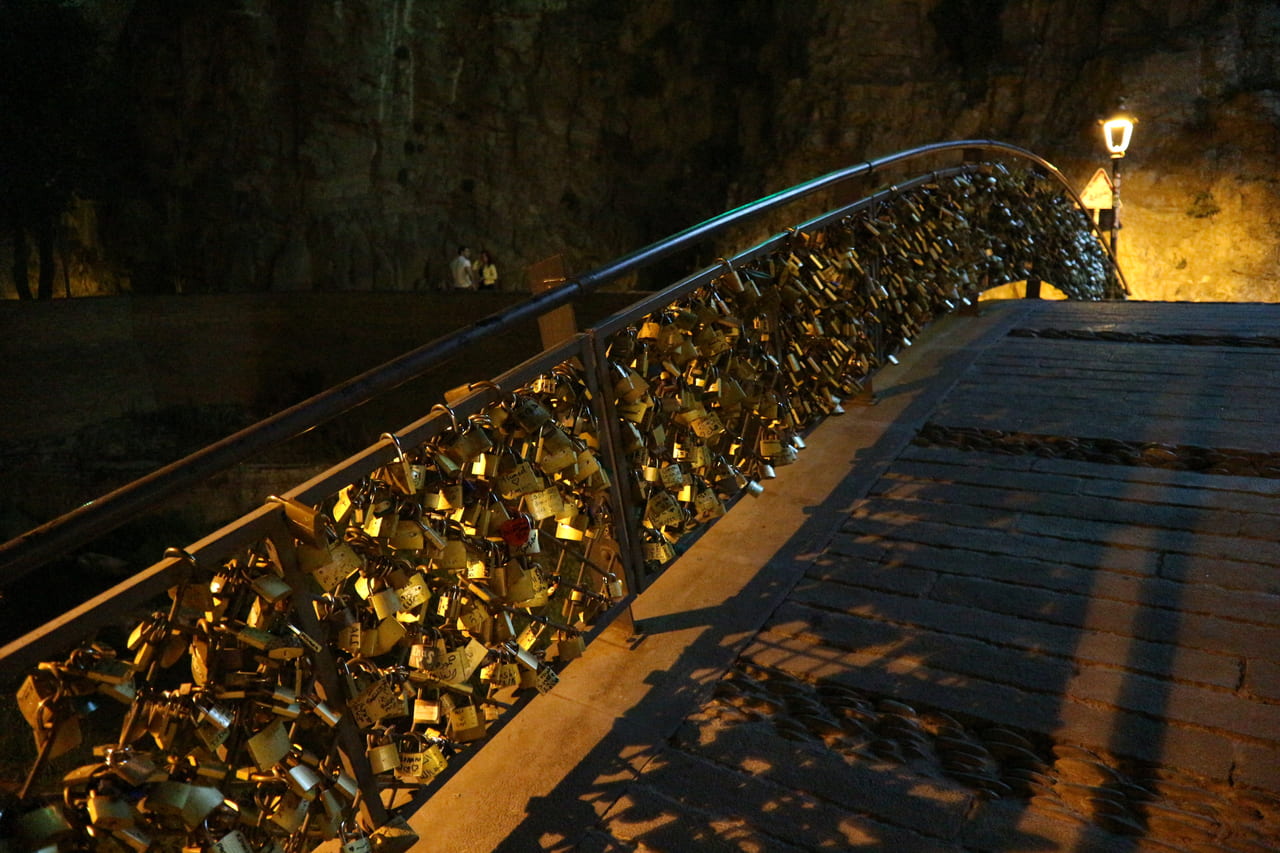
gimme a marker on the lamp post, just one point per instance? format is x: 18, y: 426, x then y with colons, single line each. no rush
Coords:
x: 1116, y: 133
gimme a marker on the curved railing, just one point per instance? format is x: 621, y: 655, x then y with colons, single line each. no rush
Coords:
x: 23, y: 554
x: 368, y: 628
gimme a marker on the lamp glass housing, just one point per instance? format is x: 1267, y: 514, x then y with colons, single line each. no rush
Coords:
x: 1117, y: 132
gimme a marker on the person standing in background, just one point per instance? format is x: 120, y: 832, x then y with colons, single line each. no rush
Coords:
x: 486, y: 271
x: 462, y: 274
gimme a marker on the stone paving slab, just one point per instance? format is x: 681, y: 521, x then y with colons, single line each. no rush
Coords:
x: 1209, y: 396
x: 953, y: 649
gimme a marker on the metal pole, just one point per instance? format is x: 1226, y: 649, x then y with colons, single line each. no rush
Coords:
x: 1115, y: 203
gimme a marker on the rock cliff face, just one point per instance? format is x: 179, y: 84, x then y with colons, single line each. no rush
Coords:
x: 353, y: 144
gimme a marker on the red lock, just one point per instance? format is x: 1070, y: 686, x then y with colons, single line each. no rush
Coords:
x: 517, y: 530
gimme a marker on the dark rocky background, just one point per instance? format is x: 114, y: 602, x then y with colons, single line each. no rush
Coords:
x: 253, y: 145
x: 326, y: 158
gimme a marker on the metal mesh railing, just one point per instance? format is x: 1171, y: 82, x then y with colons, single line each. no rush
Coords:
x: 367, y: 630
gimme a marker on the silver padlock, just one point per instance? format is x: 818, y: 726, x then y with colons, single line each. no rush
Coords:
x: 354, y: 840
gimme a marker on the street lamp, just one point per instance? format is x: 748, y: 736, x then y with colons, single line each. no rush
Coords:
x: 1116, y: 133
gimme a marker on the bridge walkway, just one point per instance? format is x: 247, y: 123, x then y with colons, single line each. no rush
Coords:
x: 1027, y: 601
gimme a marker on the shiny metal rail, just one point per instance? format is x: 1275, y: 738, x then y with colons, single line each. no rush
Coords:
x: 866, y: 335
x: 94, y: 518
x: 32, y: 549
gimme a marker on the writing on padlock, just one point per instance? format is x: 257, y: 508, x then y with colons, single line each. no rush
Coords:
x: 378, y: 701
x: 421, y: 759
x: 465, y: 723
x: 662, y: 510
x: 427, y: 654
x: 544, y: 504
x: 459, y: 664
x: 546, y: 679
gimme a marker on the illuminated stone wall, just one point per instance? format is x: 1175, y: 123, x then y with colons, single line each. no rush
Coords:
x: 353, y: 145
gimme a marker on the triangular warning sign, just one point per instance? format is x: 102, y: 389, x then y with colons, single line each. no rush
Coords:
x: 1097, y: 193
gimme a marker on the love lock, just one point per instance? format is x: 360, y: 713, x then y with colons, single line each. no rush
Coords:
x: 383, y: 754
x: 353, y: 839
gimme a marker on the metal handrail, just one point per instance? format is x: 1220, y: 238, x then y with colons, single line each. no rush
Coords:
x: 27, y: 552
x: 592, y: 359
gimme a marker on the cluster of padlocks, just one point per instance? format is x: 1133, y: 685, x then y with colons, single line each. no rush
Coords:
x: 379, y: 634
x: 714, y: 393
x: 431, y: 593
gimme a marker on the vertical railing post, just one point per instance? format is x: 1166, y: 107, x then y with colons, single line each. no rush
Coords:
x: 597, y: 370
x: 351, y: 745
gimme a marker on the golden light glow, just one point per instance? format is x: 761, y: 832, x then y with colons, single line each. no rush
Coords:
x: 1117, y: 131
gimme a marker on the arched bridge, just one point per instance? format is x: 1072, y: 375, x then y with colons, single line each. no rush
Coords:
x: 810, y: 550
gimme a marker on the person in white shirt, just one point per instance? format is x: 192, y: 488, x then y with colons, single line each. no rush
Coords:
x: 461, y: 272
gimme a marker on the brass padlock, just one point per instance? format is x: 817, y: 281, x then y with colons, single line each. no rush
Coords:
x: 44, y: 825
x: 505, y: 673
x: 385, y: 601
x: 453, y: 556
x: 474, y: 441
x: 707, y: 505
x: 573, y: 529
x: 388, y: 634
x: 662, y: 510
x: 213, y: 721
x: 394, y: 836
x: 134, y: 839
x: 427, y: 709
x: 356, y: 638
x: 303, y: 779
x: 628, y: 385
x: 545, y: 679
x: 544, y: 504
x: 109, y: 812
x: 529, y: 413
x: 201, y: 801
x: 556, y: 451
x: 516, y: 476
x: 405, y: 477
x: 38, y: 692
x: 525, y: 588
x: 384, y: 755
x: 133, y: 767
x: 460, y: 663
x: 304, y: 521
x: 465, y: 723
x: 421, y: 759
x: 289, y: 811
x: 570, y: 646
x: 377, y: 701
x: 331, y: 565
x: 427, y: 653
x: 414, y: 593
x: 269, y: 745
x: 658, y: 550
x: 167, y: 797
